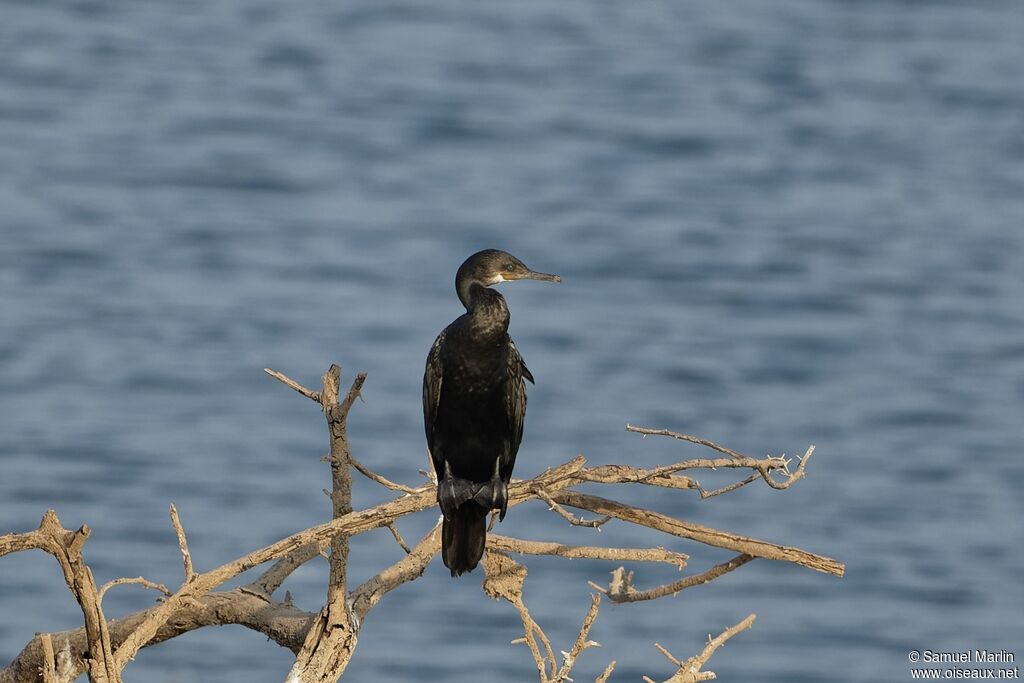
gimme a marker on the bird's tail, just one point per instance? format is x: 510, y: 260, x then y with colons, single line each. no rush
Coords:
x: 463, y: 535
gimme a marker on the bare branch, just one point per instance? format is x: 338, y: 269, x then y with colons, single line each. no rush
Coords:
x: 524, y: 547
x: 324, y: 642
x: 580, y: 521
x: 308, y: 393
x: 658, y: 476
x: 697, y: 532
x: 690, y: 670
x: 731, y: 487
x: 353, y: 393
x: 801, y: 470
x: 282, y: 623
x: 398, y: 538
x: 503, y: 579
x: 136, y: 580
x: 764, y: 467
x: 66, y: 547
x: 668, y: 655
x: 406, y: 569
x: 186, y: 556
x: 331, y: 640
x: 603, y: 678
x: 582, y: 641
x: 646, y: 431
x: 620, y: 588
x: 383, y: 481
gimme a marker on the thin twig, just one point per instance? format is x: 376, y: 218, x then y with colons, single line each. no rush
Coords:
x: 646, y: 431
x: 280, y: 376
x: 620, y: 588
x: 137, y: 580
x: 763, y: 468
x: 383, y: 481
x: 731, y: 487
x: 668, y: 655
x: 398, y: 538
x: 353, y: 393
x: 582, y: 641
x: 575, y: 521
x: 603, y: 678
x: 801, y: 469
x: 690, y: 670
x: 186, y: 556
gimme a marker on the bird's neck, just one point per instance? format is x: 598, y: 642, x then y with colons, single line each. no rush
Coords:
x: 487, y: 311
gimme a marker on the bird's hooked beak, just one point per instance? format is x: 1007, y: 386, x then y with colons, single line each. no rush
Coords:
x: 532, y: 275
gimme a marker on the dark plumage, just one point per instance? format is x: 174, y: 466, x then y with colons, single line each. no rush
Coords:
x: 474, y: 401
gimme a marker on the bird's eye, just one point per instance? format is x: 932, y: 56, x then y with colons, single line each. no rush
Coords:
x: 510, y: 267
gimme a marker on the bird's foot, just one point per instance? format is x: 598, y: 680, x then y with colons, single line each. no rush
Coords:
x: 499, y: 497
x: 451, y: 493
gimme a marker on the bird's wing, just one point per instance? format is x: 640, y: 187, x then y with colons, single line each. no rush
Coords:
x: 516, y: 407
x: 432, y: 397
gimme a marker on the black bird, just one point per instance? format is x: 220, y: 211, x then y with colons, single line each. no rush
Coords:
x: 474, y: 401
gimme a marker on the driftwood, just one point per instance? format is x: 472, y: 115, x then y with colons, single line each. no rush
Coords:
x: 324, y: 641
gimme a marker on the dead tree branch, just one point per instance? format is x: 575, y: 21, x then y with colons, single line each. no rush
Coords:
x: 524, y: 547
x: 186, y: 556
x: 332, y: 639
x: 690, y: 670
x: 698, y: 532
x: 620, y: 588
x: 324, y: 641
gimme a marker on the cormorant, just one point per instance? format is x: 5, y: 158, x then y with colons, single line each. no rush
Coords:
x: 474, y: 401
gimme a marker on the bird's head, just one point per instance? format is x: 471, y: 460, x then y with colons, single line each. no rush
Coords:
x: 491, y: 266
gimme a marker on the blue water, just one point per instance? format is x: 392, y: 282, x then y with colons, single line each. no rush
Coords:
x: 777, y: 223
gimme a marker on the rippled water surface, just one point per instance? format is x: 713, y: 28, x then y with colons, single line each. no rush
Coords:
x: 778, y: 224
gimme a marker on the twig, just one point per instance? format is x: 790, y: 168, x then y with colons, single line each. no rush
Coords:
x: 280, y: 376
x: 383, y: 481
x: 186, y: 556
x: 764, y: 468
x: 398, y: 538
x: 580, y: 521
x: 801, y: 469
x: 503, y: 579
x: 524, y: 547
x: 690, y: 670
x: 582, y: 641
x: 646, y: 431
x: 603, y: 678
x: 620, y: 588
x: 137, y: 580
x: 731, y: 487
x: 353, y: 393
x: 406, y: 569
